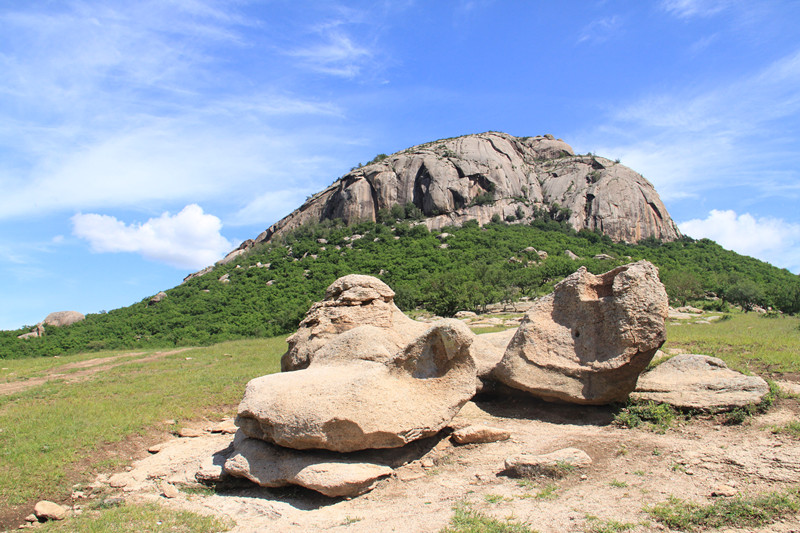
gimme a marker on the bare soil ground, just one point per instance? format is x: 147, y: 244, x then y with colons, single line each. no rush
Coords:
x: 631, y: 469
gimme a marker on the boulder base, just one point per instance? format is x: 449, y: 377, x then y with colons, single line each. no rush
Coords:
x: 330, y: 474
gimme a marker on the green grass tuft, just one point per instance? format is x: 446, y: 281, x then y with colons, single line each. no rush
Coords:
x: 656, y: 416
x: 741, y: 511
x: 149, y: 518
x: 466, y: 520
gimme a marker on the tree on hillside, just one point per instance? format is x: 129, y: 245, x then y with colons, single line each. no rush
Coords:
x: 682, y: 286
x: 746, y: 294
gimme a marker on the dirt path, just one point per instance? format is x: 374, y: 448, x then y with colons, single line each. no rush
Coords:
x: 631, y: 469
x: 83, y: 370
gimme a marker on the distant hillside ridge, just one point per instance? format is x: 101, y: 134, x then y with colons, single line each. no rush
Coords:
x: 489, y: 175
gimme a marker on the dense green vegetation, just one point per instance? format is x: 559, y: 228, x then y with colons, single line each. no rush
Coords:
x: 271, y: 288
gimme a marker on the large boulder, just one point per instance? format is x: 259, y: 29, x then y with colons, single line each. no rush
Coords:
x: 63, y: 318
x: 691, y: 381
x: 325, y: 472
x: 351, y: 301
x: 588, y: 341
x: 349, y: 400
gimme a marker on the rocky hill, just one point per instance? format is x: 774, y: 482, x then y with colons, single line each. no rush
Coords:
x: 476, y: 177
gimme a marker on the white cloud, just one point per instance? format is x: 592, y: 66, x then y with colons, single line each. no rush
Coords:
x: 769, y: 239
x: 188, y: 239
x: 695, y: 8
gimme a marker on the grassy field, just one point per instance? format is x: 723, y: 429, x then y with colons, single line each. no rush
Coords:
x: 747, y: 342
x: 49, y: 433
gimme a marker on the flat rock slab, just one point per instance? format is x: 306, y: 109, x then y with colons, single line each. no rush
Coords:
x: 588, y: 341
x: 691, y: 381
x: 330, y: 474
x: 553, y: 464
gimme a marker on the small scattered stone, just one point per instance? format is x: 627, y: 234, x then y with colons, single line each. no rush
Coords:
x: 226, y: 427
x: 556, y: 464
x: 31, y: 518
x: 725, y: 491
x: 479, y: 435
x: 169, y: 490
x: 78, y: 495
x: 427, y: 462
x: 128, y: 468
x: 45, y: 510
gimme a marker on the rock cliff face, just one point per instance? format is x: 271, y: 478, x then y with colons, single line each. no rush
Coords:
x: 477, y: 176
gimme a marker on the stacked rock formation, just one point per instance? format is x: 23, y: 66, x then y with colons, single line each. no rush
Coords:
x: 359, y: 376
x: 362, y: 382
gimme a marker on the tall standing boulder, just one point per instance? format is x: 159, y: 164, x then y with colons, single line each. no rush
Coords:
x: 588, y: 341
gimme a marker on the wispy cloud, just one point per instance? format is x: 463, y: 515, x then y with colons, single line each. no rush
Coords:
x: 695, y: 139
x: 772, y: 239
x: 127, y: 104
x: 600, y: 30
x: 337, y: 54
x: 695, y: 8
x: 188, y: 239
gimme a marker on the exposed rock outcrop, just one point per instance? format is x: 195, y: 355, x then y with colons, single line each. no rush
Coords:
x: 476, y: 177
x: 588, y: 341
x: 692, y: 381
x: 63, y: 318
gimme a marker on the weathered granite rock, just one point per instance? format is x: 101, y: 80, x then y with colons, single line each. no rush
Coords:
x: 157, y: 298
x: 344, y: 404
x: 553, y: 464
x: 349, y: 302
x: 63, y: 318
x: 518, y: 175
x: 487, y: 350
x: 588, y: 341
x: 699, y: 382
x: 479, y: 435
x: 328, y: 473
x: 46, y: 510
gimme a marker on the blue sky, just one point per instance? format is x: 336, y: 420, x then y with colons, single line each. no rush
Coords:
x: 141, y: 141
